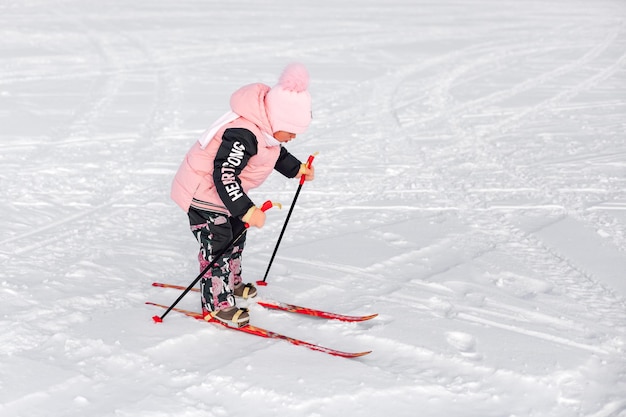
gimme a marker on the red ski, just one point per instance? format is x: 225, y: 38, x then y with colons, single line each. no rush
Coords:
x: 257, y: 331
x: 277, y: 305
x: 291, y: 308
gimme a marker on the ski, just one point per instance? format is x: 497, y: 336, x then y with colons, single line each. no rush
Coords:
x: 290, y: 308
x: 258, y: 331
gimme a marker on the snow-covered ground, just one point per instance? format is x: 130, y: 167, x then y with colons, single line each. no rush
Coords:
x: 470, y: 188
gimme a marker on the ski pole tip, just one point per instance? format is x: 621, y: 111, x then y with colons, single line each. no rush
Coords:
x: 157, y: 319
x: 261, y: 283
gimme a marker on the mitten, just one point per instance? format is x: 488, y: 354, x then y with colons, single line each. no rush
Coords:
x: 308, y: 172
x: 254, y: 217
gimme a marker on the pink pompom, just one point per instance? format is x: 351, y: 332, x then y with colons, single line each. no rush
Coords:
x: 295, y: 77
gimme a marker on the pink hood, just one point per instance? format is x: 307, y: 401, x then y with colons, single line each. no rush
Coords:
x: 249, y: 102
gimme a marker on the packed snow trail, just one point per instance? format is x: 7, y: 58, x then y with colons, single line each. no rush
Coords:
x: 470, y: 187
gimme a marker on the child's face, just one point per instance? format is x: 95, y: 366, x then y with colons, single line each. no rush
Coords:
x: 283, y: 136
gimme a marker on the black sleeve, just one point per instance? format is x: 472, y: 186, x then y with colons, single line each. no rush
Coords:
x: 238, y: 146
x: 287, y: 164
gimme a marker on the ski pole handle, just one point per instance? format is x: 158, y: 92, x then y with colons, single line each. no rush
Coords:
x: 309, y: 162
x: 266, y: 206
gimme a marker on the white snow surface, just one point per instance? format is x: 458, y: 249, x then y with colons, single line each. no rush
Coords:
x: 470, y: 188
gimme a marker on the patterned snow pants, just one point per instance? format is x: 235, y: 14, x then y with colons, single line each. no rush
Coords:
x: 214, y: 231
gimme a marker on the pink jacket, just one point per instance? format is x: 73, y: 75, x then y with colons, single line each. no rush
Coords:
x: 194, y: 183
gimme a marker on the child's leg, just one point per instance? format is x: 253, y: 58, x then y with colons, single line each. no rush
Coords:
x: 238, y: 288
x: 213, y: 231
x: 235, y: 257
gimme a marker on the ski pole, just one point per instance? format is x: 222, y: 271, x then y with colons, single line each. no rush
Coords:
x: 159, y: 319
x: 263, y: 282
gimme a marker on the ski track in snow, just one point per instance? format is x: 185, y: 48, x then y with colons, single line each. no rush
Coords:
x: 470, y: 188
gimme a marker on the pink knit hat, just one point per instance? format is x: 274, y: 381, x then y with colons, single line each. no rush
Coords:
x: 288, y: 103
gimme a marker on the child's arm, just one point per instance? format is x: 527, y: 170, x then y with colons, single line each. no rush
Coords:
x: 238, y: 146
x: 287, y: 164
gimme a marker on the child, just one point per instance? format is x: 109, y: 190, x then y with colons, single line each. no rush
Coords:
x: 237, y: 153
